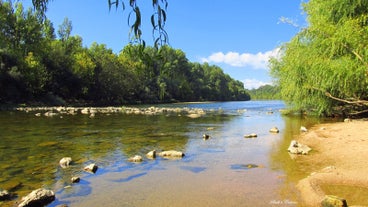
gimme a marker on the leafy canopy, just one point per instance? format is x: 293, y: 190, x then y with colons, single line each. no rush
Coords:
x: 325, y: 66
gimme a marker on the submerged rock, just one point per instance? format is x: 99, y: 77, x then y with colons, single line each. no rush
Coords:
x: 50, y: 114
x: 136, y: 158
x: 244, y: 166
x: 171, y: 153
x: 333, y: 201
x: 91, y: 168
x: 252, y: 135
x: 206, y: 136
x: 274, y: 130
x: 194, y: 116
x: 65, y: 162
x: 298, y: 148
x: 39, y: 197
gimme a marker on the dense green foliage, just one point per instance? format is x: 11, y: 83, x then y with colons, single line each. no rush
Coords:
x: 266, y: 92
x: 325, y: 66
x: 37, y: 66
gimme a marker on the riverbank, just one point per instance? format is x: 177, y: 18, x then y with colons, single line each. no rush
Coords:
x: 337, y: 164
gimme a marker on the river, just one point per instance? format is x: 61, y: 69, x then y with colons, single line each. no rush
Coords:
x: 225, y: 170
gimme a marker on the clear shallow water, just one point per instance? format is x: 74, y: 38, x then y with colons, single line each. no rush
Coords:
x: 226, y: 170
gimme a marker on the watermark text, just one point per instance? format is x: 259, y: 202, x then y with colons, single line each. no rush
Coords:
x: 283, y: 202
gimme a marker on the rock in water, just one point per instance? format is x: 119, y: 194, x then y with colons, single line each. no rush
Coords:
x: 4, y: 195
x: 333, y: 201
x: 171, y: 153
x: 136, y: 158
x: 194, y: 116
x: 39, y: 197
x: 206, y: 136
x: 274, y: 130
x: 75, y: 179
x: 65, y: 162
x: 91, y: 168
x: 85, y: 111
x: 253, y: 135
x: 298, y: 148
x: 303, y: 129
x: 151, y: 154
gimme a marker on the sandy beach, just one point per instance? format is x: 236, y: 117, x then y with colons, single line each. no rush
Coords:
x: 338, y: 163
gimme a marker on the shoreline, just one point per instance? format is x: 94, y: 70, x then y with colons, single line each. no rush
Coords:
x: 141, y: 110
x: 338, y: 161
x: 15, y: 107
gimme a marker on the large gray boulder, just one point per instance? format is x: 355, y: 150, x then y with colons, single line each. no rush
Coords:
x: 298, y: 148
x: 39, y: 197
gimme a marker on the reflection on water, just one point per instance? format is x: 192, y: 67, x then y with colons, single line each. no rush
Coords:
x: 225, y: 170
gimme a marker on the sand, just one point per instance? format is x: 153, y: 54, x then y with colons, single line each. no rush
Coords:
x: 340, y: 158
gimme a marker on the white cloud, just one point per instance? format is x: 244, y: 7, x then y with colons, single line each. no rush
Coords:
x: 256, y: 61
x: 289, y: 21
x: 253, y: 83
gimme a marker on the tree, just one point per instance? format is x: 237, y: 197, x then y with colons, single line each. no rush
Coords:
x: 173, y: 74
x: 265, y: 92
x: 35, y: 75
x: 35, y: 66
x: 65, y: 30
x: 114, y: 83
x: 325, y: 66
x: 22, y: 46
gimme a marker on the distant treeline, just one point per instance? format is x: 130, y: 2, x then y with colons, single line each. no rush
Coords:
x: 36, y: 66
x: 266, y: 92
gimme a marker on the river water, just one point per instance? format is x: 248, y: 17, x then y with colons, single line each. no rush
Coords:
x: 225, y: 170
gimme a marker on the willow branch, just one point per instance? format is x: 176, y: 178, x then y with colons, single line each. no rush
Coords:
x: 358, y: 112
x: 354, y: 102
x: 356, y: 54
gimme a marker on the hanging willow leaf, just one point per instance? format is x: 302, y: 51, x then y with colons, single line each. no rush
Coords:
x: 163, y: 15
x: 134, y: 21
x: 132, y: 3
x: 159, y: 21
x: 154, y: 3
x: 116, y: 4
x: 41, y: 7
x: 153, y: 21
x: 137, y: 24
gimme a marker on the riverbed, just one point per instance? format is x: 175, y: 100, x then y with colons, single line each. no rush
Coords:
x: 224, y: 170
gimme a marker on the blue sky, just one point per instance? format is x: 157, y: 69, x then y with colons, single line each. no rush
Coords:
x: 237, y: 35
